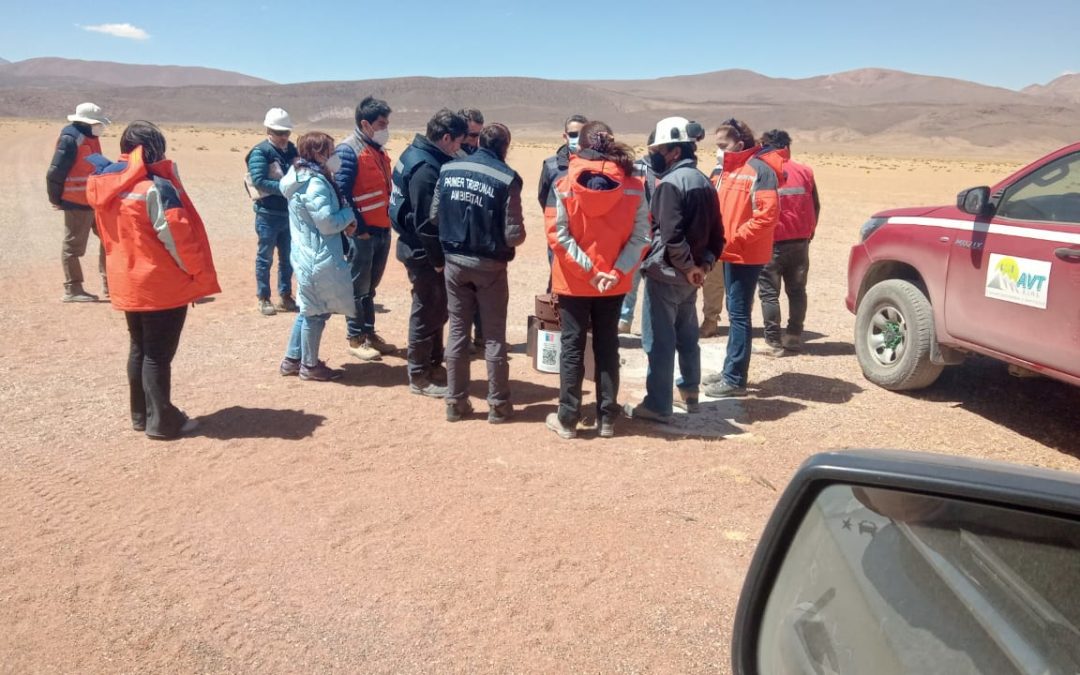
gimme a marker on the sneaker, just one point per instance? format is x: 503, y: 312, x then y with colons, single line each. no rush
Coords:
x: 289, y: 367
x: 686, y: 401
x: 360, y: 348
x: 624, y: 327
x: 455, y: 412
x: 287, y: 304
x: 709, y: 329
x: 79, y: 296
x: 375, y: 341
x: 712, y: 378
x: 266, y: 308
x: 320, y: 372
x: 792, y: 342
x: 187, y: 427
x: 606, y: 428
x: 724, y: 389
x: 640, y: 412
x: 552, y: 422
x: 427, y: 388
x: 500, y: 413
x: 768, y: 349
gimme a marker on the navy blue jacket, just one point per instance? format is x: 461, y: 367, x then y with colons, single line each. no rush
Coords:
x: 415, y: 176
x: 67, y: 150
x: 259, y: 161
x: 473, y: 197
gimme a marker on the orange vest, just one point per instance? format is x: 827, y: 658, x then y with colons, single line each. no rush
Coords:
x: 156, y: 249
x: 600, y: 223
x: 75, y: 183
x: 371, y: 189
x: 749, y: 204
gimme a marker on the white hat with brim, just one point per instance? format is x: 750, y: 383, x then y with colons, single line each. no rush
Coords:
x: 88, y: 113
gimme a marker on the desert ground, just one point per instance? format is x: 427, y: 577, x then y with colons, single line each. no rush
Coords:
x: 346, y: 527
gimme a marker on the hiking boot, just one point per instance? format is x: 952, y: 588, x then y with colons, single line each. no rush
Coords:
x: 709, y: 329
x: 427, y: 388
x: 500, y: 413
x: 640, y: 412
x: 792, y: 342
x: 724, y: 389
x: 360, y: 348
x: 455, y: 412
x: 375, y: 341
x: 78, y: 295
x: 320, y: 372
x: 624, y: 327
x: 712, y: 378
x: 686, y: 401
x: 437, y: 373
x: 552, y: 422
x: 266, y: 308
x: 287, y: 304
x: 768, y: 349
x: 606, y: 428
x: 289, y: 367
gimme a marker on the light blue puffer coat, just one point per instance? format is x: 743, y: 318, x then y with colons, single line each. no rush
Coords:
x: 316, y: 219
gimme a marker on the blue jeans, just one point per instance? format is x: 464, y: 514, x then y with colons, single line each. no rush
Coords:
x: 669, y: 325
x: 273, y: 232
x: 630, y: 301
x: 368, y: 263
x: 306, y: 335
x: 740, y: 281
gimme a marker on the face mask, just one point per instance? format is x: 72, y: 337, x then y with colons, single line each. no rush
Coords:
x: 381, y: 137
x: 657, y: 162
x: 719, y: 155
x: 97, y: 129
x: 333, y: 165
x: 468, y: 149
x: 573, y: 143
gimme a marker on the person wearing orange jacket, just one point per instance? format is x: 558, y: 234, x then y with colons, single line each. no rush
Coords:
x: 749, y: 177
x: 598, y: 235
x: 158, y: 262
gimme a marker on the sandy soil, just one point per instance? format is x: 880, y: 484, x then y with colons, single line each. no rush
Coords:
x: 347, y: 527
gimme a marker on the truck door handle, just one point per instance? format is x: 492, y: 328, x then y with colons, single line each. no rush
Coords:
x: 1068, y: 254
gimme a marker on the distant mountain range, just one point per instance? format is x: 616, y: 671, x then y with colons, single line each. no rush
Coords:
x: 843, y: 106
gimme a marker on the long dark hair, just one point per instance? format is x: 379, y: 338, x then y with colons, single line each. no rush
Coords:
x: 146, y: 134
x: 598, y: 137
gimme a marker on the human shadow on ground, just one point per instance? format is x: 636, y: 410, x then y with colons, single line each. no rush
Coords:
x: 717, y: 418
x: 390, y: 372
x: 239, y: 422
x: 828, y: 349
x: 807, y: 387
x: 522, y: 392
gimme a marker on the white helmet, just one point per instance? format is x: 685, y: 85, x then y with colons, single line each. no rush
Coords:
x: 677, y: 130
x: 278, y: 120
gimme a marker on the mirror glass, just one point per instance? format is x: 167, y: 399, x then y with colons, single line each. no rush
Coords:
x: 883, y: 581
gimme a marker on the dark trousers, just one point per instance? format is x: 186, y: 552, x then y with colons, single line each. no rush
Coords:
x: 154, y: 338
x: 78, y: 224
x: 739, y: 282
x: 790, y: 264
x: 577, y: 314
x: 368, y: 263
x: 426, y: 319
x: 471, y: 293
x: 273, y: 233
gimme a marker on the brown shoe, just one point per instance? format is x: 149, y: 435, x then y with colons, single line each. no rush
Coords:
x: 287, y: 304
x: 320, y: 372
x: 375, y: 341
x: 792, y: 342
x: 359, y: 347
x: 686, y: 401
x: 709, y: 329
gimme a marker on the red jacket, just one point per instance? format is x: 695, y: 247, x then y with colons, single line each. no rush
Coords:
x: 749, y: 204
x: 798, y: 201
x: 371, y: 189
x: 156, y: 250
x: 75, y: 183
x: 592, y: 230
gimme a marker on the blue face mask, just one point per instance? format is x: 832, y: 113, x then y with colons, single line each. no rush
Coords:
x: 573, y: 142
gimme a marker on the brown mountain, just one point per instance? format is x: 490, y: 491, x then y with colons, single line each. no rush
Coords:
x: 1064, y: 88
x: 56, y: 72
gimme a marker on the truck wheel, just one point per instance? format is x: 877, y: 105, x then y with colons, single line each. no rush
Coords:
x: 894, y: 332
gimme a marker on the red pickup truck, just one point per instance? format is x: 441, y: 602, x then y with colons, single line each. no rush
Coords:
x: 996, y: 274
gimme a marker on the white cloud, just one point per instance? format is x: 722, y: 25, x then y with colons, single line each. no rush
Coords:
x: 121, y: 30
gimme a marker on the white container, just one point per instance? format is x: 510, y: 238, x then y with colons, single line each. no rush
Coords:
x: 548, y: 349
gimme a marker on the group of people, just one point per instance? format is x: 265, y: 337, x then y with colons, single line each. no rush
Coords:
x: 611, y: 221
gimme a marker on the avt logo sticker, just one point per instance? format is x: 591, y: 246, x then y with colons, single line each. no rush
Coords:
x: 1019, y: 280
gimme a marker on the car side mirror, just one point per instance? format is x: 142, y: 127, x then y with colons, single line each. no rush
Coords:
x: 975, y: 201
x: 897, y: 562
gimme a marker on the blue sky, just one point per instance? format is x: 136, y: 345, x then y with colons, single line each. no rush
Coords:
x: 992, y: 41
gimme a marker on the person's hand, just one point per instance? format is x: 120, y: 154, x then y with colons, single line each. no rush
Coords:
x: 696, y: 276
x: 350, y: 230
x: 603, y: 281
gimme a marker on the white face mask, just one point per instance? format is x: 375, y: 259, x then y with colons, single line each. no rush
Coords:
x: 97, y: 129
x: 719, y: 155
x: 333, y: 165
x: 381, y: 137
x: 573, y: 143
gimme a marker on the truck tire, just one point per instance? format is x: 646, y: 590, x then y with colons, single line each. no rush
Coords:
x: 894, y: 335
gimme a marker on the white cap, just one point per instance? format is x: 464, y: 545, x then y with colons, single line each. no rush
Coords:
x: 88, y: 113
x: 676, y: 130
x: 278, y: 120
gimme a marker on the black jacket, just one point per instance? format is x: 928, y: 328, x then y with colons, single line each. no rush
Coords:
x: 414, y: 179
x: 554, y: 168
x: 67, y: 150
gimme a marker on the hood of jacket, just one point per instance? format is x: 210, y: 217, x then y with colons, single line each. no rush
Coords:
x: 296, y: 180
x: 113, y: 179
x: 591, y: 201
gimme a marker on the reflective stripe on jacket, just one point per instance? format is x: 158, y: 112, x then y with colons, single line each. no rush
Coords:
x: 75, y: 182
x: 370, y: 189
x: 749, y: 204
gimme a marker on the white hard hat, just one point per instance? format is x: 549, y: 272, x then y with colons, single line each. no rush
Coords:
x: 88, y: 113
x: 676, y: 130
x: 278, y: 120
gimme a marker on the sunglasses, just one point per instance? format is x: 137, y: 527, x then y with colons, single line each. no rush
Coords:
x: 573, y: 134
x: 275, y: 132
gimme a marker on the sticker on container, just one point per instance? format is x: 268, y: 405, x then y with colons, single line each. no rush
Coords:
x: 548, y: 349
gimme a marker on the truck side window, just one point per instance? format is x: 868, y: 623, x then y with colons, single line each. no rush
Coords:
x: 1050, y: 193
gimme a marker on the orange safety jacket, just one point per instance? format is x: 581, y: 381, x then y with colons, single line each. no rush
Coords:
x: 592, y: 230
x: 75, y: 182
x: 749, y: 204
x: 156, y: 249
x: 371, y: 188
